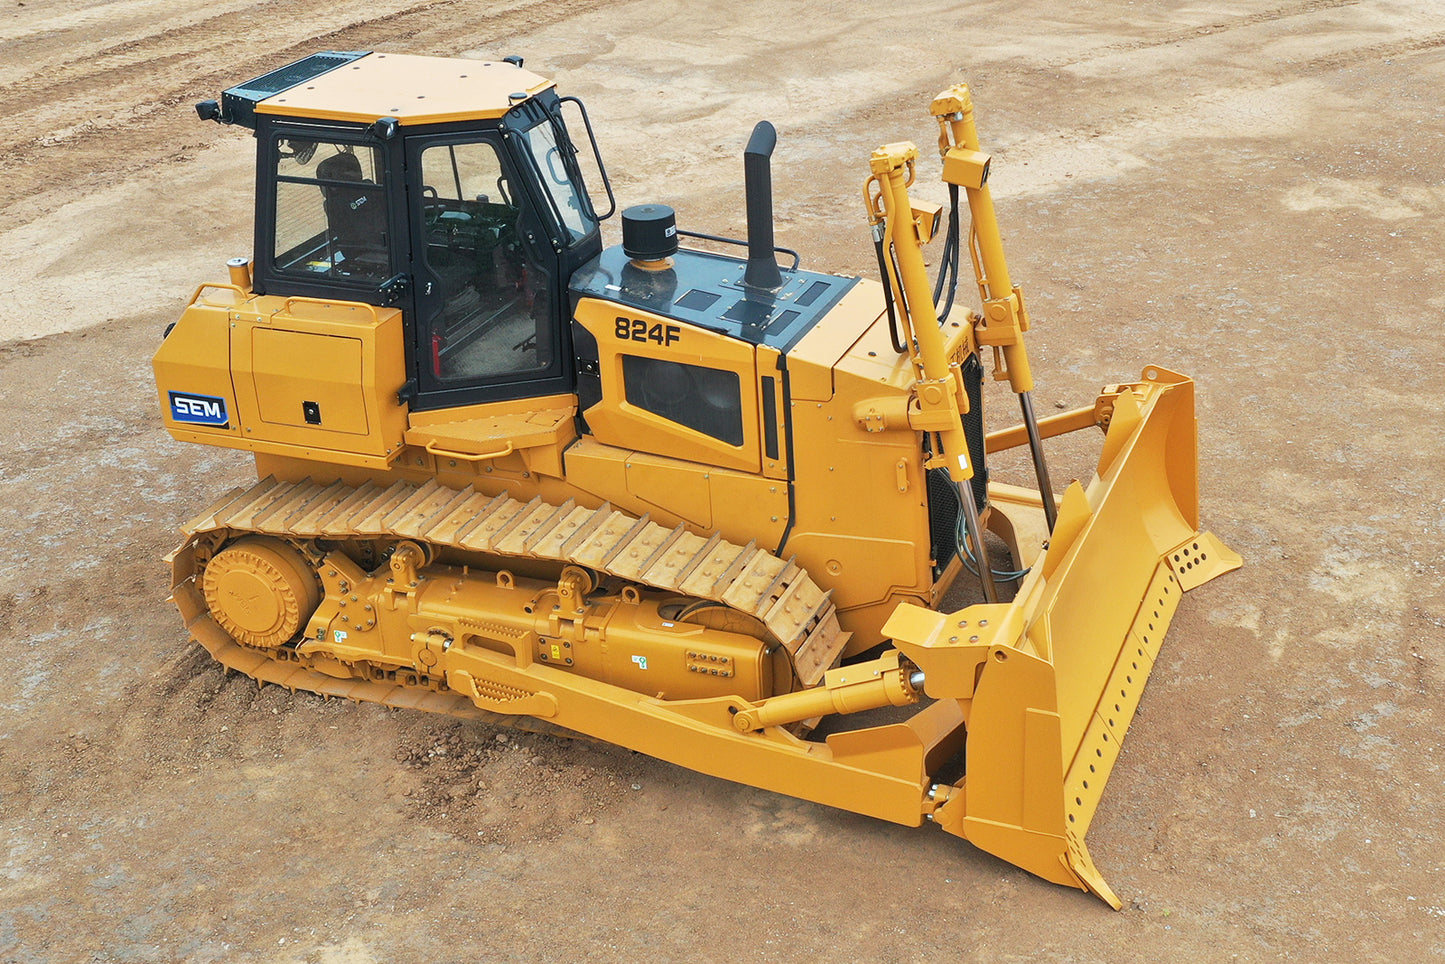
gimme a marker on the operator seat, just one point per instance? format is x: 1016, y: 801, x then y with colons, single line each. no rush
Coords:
x: 355, y: 218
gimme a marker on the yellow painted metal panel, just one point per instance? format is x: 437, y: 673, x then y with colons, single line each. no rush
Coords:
x: 195, y: 358
x: 870, y: 550
x: 811, y: 360
x: 414, y: 90
x: 345, y: 356
x: 740, y: 506
x: 748, y: 507
x: 770, y: 362
x: 618, y: 421
x: 294, y: 369
x: 678, y: 488
x: 477, y: 435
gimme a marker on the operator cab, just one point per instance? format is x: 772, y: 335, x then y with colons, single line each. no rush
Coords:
x: 449, y: 189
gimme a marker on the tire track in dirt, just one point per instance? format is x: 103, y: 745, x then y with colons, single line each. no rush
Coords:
x: 1190, y: 103
x: 43, y: 147
x: 194, y: 42
x: 1377, y: 52
x: 97, y: 86
x: 1189, y: 98
x: 31, y: 50
x: 1212, y: 29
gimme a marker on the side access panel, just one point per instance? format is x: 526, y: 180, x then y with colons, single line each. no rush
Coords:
x: 296, y: 377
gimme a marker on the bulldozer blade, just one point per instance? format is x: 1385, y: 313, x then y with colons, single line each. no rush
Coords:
x: 1050, y: 682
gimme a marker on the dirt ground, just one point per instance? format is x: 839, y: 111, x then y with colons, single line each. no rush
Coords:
x: 1249, y: 191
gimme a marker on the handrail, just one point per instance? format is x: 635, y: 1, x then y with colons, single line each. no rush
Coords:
x: 216, y: 284
x: 431, y: 448
x: 327, y: 303
x: 740, y: 243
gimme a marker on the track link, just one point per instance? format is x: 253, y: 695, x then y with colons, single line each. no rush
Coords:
x: 798, y: 614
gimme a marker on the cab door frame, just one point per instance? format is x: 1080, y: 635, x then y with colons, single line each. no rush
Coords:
x: 544, y: 243
x: 427, y: 297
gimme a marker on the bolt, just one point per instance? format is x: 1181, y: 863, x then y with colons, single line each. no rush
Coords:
x: 983, y: 622
x: 973, y: 639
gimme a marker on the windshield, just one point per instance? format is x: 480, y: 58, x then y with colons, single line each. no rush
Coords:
x: 567, y: 204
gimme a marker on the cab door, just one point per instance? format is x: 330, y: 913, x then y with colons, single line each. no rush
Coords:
x: 487, y: 282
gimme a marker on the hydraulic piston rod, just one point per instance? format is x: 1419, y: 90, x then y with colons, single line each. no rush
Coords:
x: 885, y: 681
x: 1004, y: 317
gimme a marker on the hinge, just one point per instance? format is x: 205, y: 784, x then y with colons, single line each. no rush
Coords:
x: 394, y: 288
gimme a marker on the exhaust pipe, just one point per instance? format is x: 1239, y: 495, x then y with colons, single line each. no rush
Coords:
x: 762, y: 270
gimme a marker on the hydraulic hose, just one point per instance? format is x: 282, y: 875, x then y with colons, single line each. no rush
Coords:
x: 883, y: 275
x: 949, y: 267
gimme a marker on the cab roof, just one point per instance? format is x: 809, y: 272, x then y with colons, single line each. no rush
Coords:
x: 363, y: 87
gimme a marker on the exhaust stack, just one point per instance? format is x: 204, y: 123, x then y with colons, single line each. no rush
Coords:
x: 762, y: 270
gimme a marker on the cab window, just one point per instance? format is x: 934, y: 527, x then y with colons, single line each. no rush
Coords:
x: 563, y: 197
x: 492, y: 320
x: 331, y: 221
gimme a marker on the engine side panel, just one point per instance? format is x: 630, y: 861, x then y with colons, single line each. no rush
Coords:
x: 672, y: 388
x: 860, y: 497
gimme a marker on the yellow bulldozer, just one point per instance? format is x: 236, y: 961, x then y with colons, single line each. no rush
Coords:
x: 693, y: 500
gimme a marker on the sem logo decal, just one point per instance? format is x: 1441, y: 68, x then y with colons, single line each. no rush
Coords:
x: 198, y: 409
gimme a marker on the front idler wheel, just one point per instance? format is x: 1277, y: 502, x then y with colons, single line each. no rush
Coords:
x: 261, y: 591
